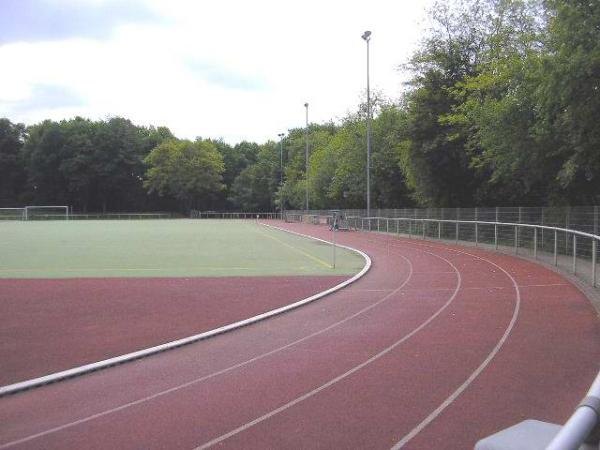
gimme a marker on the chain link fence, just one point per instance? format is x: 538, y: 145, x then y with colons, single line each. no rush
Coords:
x: 495, y: 228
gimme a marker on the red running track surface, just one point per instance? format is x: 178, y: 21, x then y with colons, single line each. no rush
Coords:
x: 49, y: 325
x: 436, y: 347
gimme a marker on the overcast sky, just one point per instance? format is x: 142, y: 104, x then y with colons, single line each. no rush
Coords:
x: 231, y: 69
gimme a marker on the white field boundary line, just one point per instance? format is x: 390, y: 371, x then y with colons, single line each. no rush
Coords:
x: 128, y: 357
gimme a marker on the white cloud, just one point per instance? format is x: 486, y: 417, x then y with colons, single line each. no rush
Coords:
x: 232, y: 69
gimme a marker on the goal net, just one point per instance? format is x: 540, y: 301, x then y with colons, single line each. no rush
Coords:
x: 12, y: 213
x: 46, y: 213
x: 293, y: 218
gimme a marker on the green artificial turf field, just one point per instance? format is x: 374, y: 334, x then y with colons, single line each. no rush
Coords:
x: 162, y: 248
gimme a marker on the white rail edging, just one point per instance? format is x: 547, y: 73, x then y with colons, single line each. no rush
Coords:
x: 92, y: 367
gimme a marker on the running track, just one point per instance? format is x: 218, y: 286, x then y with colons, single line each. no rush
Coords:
x: 436, y: 347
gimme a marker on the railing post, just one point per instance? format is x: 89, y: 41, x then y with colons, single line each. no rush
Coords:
x: 378, y: 224
x: 440, y: 231
x: 594, y: 244
x: 409, y: 228
x: 555, y: 248
x: 476, y: 234
x: 574, y: 254
x: 387, y: 225
x: 496, y: 237
x: 516, y: 239
x: 456, y: 234
x: 423, y: 224
x: 535, y: 243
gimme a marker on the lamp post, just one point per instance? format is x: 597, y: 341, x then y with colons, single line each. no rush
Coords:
x: 281, y: 157
x: 367, y: 37
x: 306, y: 157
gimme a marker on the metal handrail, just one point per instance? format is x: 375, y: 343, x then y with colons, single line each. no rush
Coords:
x: 480, y: 222
x: 583, y: 425
x: 477, y: 223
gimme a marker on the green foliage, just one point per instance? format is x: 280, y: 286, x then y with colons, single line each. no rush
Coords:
x: 12, y: 174
x: 502, y: 107
x: 189, y: 171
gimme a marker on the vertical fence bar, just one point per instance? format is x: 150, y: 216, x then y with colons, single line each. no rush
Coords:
x: 387, y: 225
x: 555, y: 248
x: 410, y: 228
x: 574, y: 254
x: 542, y: 228
x: 567, y: 221
x: 333, y: 240
x: 456, y: 234
x: 496, y: 237
x: 535, y: 243
x: 423, y: 224
x: 594, y: 244
x: 516, y: 238
x: 440, y: 230
x: 476, y: 234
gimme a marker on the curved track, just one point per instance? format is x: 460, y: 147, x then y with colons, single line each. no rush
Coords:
x: 435, y: 347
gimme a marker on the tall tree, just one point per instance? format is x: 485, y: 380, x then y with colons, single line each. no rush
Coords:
x: 12, y: 171
x: 189, y: 171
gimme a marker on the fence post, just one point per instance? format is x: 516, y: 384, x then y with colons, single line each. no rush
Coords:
x: 555, y: 248
x: 542, y: 228
x: 387, y: 225
x: 409, y: 228
x: 516, y: 239
x: 423, y: 223
x: 594, y: 244
x: 476, y: 227
x: 535, y: 243
x: 574, y: 254
x: 439, y: 230
x: 456, y: 234
x: 567, y: 221
x: 496, y: 237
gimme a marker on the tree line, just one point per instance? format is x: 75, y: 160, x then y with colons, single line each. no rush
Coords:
x: 502, y: 108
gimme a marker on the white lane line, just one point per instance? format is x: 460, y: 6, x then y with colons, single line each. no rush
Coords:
x: 434, y: 414
x: 212, y: 375
x: 416, y: 430
x: 333, y: 381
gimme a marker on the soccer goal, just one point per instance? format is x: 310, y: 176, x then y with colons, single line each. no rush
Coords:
x: 12, y: 213
x: 46, y: 213
x: 293, y: 218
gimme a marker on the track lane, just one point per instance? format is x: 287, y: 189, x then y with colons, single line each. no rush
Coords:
x: 297, y: 430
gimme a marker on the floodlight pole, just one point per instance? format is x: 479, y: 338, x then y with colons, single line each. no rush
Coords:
x: 306, y: 157
x: 367, y: 37
x: 281, y: 157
